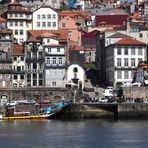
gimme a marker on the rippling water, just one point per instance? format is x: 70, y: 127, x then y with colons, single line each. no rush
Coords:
x: 73, y: 134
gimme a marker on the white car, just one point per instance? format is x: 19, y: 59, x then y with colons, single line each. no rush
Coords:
x: 12, y: 103
x: 136, y: 84
x: 103, y: 100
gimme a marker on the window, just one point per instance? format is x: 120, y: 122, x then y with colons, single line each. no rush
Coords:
x: 34, y: 76
x: 119, y: 74
x: 54, y: 61
x: 38, y: 16
x: 54, y: 24
x: 49, y: 24
x: 133, y: 62
x: 125, y: 62
x: 47, y: 60
x: 58, y: 49
x: 34, y: 66
x: 38, y: 24
x: 16, y: 32
x: 63, y: 25
x: 126, y: 51
x: 54, y: 83
x: 21, y: 23
x: 21, y: 32
x: 118, y: 51
x: 22, y: 58
x: 18, y: 68
x: 133, y: 51
x: 48, y: 40
x: 140, y: 51
x: 16, y: 15
x: 49, y: 16
x: 140, y: 35
x: 11, y: 24
x: 22, y: 77
x: 43, y: 16
x: 139, y: 60
x: 126, y: 76
x: 21, y: 15
x: 43, y: 24
x: 49, y: 49
x: 15, y: 58
x: 40, y: 76
x: 60, y: 60
x: 119, y: 62
x: 53, y: 16
x: 10, y: 15
x: 40, y: 82
x: 16, y: 23
x: 15, y: 77
x: 28, y: 76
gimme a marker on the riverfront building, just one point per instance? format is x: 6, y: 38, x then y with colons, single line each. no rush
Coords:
x: 122, y: 59
x: 19, y: 20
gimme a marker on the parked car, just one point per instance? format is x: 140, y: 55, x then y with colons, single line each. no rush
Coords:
x: 136, y: 84
x: 120, y: 100
x: 103, y: 100
x: 11, y: 103
x: 26, y: 102
x: 138, y: 100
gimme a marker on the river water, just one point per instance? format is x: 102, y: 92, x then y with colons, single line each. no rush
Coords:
x: 73, y: 134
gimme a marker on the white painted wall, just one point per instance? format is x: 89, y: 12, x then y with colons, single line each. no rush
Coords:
x: 45, y: 11
x: 80, y: 74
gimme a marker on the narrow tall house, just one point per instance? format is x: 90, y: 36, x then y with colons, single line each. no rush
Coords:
x: 34, y: 59
x: 5, y: 58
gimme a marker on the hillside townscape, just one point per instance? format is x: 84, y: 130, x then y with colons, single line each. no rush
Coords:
x: 54, y: 45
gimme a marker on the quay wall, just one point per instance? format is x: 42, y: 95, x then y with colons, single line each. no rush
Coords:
x: 134, y: 92
x: 133, y: 111
x: 106, y: 111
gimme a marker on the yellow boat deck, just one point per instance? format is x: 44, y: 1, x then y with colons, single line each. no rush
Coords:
x: 24, y: 117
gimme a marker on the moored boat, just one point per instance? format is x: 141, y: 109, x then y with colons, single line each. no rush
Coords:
x: 45, y: 113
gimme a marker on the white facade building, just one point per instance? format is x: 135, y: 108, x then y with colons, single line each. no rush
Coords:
x: 55, y: 59
x: 122, y: 58
x: 45, y: 18
x: 76, y: 74
x: 19, y: 20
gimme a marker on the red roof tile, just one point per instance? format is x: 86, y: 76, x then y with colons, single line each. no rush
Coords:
x: 5, y: 31
x: 63, y: 34
x: 105, y: 19
x: 17, y: 49
x: 129, y: 41
x: 2, y: 20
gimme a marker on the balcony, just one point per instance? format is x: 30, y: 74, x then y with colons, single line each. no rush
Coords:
x: 6, y: 71
x: 34, y: 60
x: 18, y: 72
x: 60, y: 66
x: 125, y: 67
x: 5, y: 60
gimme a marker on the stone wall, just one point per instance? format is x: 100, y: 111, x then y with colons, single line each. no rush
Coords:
x: 134, y: 92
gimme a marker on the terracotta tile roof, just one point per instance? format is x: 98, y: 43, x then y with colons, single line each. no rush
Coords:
x: 118, y: 35
x: 73, y: 13
x: 2, y: 20
x: 17, y: 49
x: 32, y: 39
x: 129, y: 41
x: 109, y: 30
x: 48, y: 34
x: 63, y: 34
x: 53, y: 45
x: 5, y: 31
x: 74, y: 47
